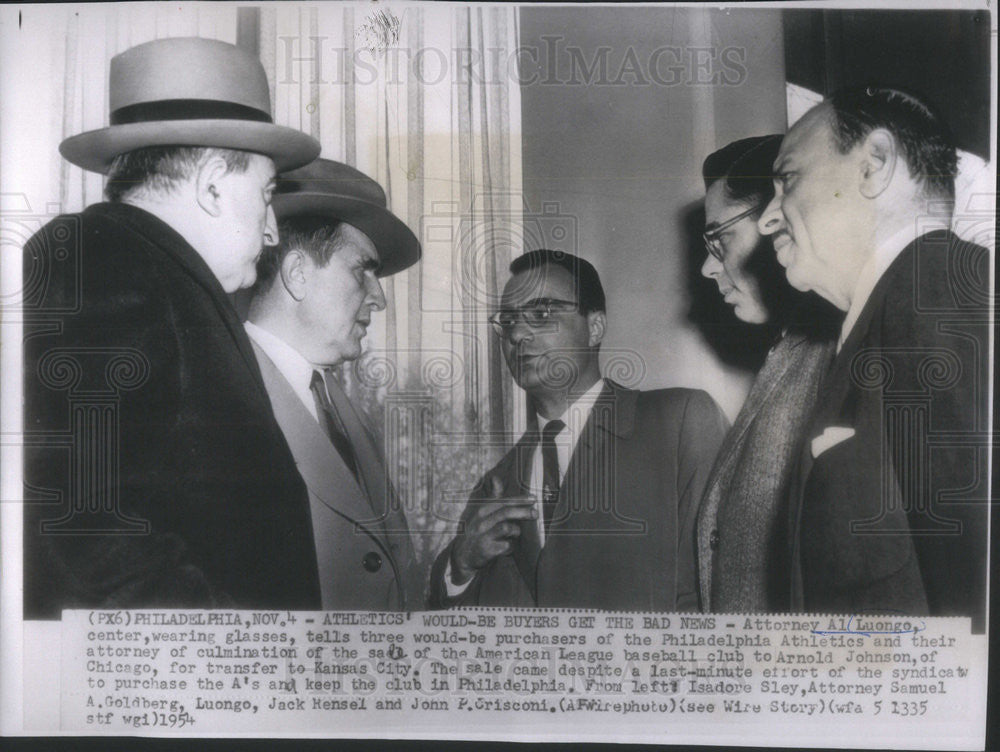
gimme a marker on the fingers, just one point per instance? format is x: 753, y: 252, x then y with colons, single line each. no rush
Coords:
x: 496, y: 487
x: 490, y: 509
x: 500, y: 513
x: 492, y: 531
x: 506, y: 530
x: 492, y: 528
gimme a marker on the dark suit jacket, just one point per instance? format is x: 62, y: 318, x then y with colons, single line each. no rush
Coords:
x: 367, y: 561
x: 743, y: 523
x: 894, y: 517
x: 155, y: 472
x: 622, y: 534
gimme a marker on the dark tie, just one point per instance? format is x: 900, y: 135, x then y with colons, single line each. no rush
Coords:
x: 331, y: 423
x: 550, y: 470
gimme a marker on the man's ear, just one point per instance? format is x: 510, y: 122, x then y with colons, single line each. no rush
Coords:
x: 293, y: 273
x: 597, y: 324
x: 878, y: 162
x: 209, y: 184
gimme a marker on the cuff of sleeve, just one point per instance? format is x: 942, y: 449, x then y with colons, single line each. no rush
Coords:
x: 450, y: 587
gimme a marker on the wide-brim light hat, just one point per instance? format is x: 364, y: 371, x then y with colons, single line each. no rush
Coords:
x: 335, y: 190
x: 188, y: 91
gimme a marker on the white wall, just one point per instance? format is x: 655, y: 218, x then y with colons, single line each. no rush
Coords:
x: 623, y: 161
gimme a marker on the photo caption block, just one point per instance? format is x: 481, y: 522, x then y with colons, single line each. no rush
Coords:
x: 561, y: 674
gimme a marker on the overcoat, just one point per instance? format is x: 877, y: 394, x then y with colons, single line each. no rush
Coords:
x: 366, y: 558
x: 155, y: 472
x: 890, y: 510
x: 743, y: 522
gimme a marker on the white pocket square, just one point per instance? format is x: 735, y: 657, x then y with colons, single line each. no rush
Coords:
x: 829, y: 438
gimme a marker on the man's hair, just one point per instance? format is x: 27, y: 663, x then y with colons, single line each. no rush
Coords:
x: 160, y: 168
x: 590, y: 291
x: 746, y: 169
x: 318, y: 236
x: 921, y: 133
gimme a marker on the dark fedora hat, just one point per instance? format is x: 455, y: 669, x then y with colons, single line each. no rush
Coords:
x: 187, y: 91
x: 331, y: 189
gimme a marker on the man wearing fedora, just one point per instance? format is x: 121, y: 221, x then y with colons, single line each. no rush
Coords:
x: 156, y: 474
x: 310, y: 308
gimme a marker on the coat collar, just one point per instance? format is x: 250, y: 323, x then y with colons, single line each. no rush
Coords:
x: 323, y: 470
x: 166, y: 239
x: 906, y: 257
x: 613, y: 412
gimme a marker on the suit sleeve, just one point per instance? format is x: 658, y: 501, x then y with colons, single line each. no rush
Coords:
x: 106, y: 334
x: 439, y: 597
x: 701, y: 433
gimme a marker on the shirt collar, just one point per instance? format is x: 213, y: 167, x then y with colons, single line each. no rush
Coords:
x: 577, y: 413
x: 290, y: 363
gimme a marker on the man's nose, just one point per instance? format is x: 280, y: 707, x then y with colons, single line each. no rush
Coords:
x: 270, y: 228
x: 770, y: 219
x: 712, y: 267
x: 376, y: 295
x: 519, y: 332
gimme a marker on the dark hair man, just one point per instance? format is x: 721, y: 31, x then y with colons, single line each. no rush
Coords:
x: 313, y: 301
x: 155, y: 472
x: 596, y: 504
x: 889, y: 513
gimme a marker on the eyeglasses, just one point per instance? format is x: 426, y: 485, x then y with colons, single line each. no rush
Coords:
x: 536, y: 315
x: 713, y: 244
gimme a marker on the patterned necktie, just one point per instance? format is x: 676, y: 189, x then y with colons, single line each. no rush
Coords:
x: 550, y: 470
x: 330, y: 421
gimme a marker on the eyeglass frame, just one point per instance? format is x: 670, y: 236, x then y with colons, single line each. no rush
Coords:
x: 711, y: 237
x: 547, y: 306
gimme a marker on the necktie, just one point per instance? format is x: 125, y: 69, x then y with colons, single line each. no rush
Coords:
x: 330, y: 421
x: 550, y: 470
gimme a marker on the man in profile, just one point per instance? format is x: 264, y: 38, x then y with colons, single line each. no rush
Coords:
x: 890, y: 513
x: 596, y: 504
x: 311, y: 307
x: 155, y: 472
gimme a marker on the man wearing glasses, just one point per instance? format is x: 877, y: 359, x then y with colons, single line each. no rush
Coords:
x: 743, y: 559
x: 595, y: 505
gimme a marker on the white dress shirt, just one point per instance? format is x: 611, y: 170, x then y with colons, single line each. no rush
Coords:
x: 297, y: 370
x: 575, y: 418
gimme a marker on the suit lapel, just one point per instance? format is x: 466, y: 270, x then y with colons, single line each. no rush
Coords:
x: 766, y: 382
x: 329, y: 480
x: 373, y: 477
x: 613, y: 413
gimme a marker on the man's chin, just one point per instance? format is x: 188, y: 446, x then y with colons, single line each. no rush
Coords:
x: 796, y: 281
x: 750, y: 314
x: 249, y: 277
x: 524, y: 376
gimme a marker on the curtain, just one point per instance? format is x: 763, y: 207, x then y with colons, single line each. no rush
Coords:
x: 427, y: 102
